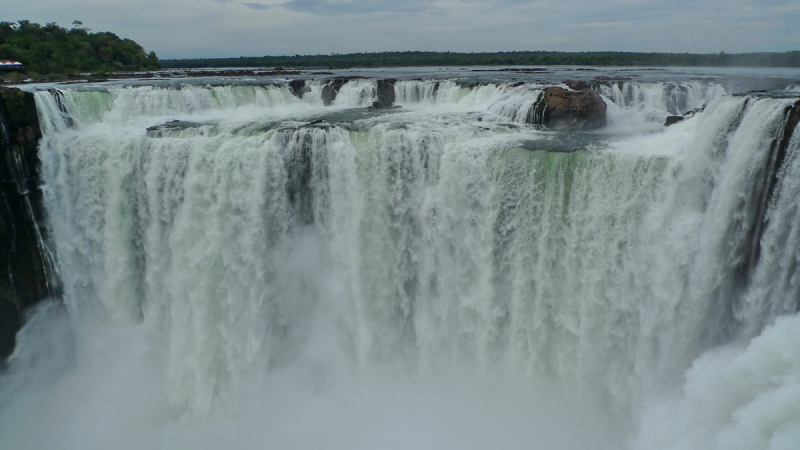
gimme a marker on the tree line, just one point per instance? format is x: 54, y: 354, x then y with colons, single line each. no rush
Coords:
x: 533, y: 58
x: 52, y: 49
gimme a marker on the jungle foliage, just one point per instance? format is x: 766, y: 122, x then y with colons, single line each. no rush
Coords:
x: 52, y: 49
x: 394, y: 59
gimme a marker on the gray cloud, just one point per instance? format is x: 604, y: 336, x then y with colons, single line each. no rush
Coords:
x: 335, y: 8
x: 212, y: 28
x: 258, y: 6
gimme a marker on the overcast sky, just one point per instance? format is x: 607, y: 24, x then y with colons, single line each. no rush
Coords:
x: 229, y: 28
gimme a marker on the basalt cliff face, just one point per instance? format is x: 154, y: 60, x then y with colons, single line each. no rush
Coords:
x: 24, y: 269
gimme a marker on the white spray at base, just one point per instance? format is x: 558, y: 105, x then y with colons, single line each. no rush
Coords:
x: 414, y: 279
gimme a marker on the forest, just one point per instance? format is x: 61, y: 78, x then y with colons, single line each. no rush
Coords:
x: 52, y: 49
x: 533, y: 58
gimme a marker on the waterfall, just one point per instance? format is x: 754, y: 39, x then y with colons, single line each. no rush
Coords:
x: 248, y: 261
x: 647, y: 105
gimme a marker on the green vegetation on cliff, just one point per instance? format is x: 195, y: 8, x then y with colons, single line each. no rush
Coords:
x: 54, y: 49
x: 388, y: 59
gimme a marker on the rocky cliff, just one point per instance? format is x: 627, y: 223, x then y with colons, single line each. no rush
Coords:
x: 563, y: 109
x: 24, y: 266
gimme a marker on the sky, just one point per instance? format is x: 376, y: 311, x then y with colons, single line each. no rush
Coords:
x: 232, y: 28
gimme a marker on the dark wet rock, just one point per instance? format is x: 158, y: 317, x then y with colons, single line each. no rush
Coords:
x: 319, y: 123
x: 328, y: 94
x: 562, y: 109
x: 766, y: 192
x: 173, y: 125
x: 386, y: 94
x: 298, y: 88
x: 695, y: 111
x: 791, y: 122
x: 25, y: 267
x: 672, y: 120
x: 330, y: 90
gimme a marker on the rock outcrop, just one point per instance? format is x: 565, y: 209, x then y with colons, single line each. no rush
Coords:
x: 24, y: 265
x: 386, y: 94
x: 330, y: 90
x: 672, y: 120
x: 385, y: 91
x: 562, y: 109
x: 162, y: 130
x: 298, y: 88
x: 764, y: 193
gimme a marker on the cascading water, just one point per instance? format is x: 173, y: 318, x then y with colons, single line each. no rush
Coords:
x: 650, y: 103
x: 435, y: 276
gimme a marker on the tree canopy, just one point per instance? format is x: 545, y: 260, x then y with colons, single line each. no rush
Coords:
x: 55, y: 49
x: 532, y: 58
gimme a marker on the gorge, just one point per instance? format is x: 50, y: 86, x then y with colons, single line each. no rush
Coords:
x: 408, y: 260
